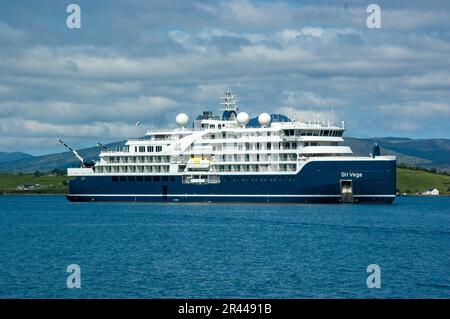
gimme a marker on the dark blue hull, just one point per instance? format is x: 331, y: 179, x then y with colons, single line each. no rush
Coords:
x: 371, y: 181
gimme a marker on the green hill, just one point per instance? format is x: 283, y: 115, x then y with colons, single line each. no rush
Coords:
x: 430, y: 153
x: 32, y: 184
x: 413, y: 181
x: 47, y: 163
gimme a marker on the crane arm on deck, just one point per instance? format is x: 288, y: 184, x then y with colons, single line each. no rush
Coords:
x: 73, y: 151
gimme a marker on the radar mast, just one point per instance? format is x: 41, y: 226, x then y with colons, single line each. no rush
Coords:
x: 230, y: 104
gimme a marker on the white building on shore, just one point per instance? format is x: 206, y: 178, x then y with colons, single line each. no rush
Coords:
x: 431, y: 191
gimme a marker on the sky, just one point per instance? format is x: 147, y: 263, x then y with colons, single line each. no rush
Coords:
x: 146, y: 61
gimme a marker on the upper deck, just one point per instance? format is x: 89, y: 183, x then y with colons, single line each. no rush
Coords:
x: 226, y: 144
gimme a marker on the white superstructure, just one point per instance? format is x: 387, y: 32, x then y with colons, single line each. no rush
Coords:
x: 223, y: 145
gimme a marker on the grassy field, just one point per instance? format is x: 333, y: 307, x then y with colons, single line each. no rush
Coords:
x: 408, y: 181
x: 415, y: 181
x: 13, y: 184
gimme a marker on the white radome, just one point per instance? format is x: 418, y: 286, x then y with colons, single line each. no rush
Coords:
x: 182, y: 119
x: 264, y: 119
x: 243, y: 118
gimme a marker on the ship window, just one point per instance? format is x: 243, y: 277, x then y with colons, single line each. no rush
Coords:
x: 158, y: 148
x: 156, y: 178
x: 131, y: 178
x: 139, y: 178
x: 269, y: 146
x: 115, y: 179
x: 148, y: 178
x: 123, y: 178
x: 135, y: 149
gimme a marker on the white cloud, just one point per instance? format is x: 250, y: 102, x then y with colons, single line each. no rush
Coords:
x: 32, y: 128
x: 301, y: 115
x: 303, y: 58
x: 186, y: 41
x: 309, y: 99
x: 54, y: 112
x: 7, y: 33
x: 407, y: 19
x: 245, y: 12
x: 209, y: 93
x: 430, y: 81
x: 417, y: 109
x: 4, y: 89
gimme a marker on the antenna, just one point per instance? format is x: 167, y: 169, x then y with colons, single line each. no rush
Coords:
x: 332, y: 114
x: 229, y: 101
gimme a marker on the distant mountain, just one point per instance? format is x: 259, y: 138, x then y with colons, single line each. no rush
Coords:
x: 47, y: 163
x: 427, y: 153
x: 13, y: 156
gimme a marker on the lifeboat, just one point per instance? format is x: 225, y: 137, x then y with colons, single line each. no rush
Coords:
x: 199, y: 164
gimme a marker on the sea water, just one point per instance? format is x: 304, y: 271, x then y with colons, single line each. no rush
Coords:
x: 128, y: 250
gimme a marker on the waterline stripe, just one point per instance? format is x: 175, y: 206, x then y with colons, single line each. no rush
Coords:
x: 215, y: 195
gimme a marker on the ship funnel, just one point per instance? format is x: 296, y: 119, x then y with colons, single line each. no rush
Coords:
x: 375, y: 150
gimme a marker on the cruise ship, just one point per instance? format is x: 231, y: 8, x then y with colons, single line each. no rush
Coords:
x: 226, y: 158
